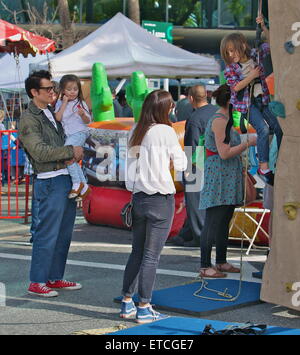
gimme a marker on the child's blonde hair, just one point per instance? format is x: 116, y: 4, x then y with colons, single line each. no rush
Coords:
x: 239, y: 43
x: 1, y: 116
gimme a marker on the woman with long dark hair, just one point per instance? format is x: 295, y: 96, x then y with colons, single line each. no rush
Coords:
x: 223, y: 185
x: 153, y: 148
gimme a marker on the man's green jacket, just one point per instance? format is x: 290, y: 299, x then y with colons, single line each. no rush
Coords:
x: 43, y: 143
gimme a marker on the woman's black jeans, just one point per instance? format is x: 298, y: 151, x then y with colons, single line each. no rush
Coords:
x: 215, y: 230
x: 152, y: 221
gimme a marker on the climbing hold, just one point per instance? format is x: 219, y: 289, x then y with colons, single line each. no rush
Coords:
x: 277, y: 108
x: 298, y: 105
x: 290, y: 209
x: 289, y: 47
x: 289, y: 286
x: 270, y: 83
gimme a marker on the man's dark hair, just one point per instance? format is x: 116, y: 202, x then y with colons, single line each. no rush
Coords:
x: 34, y: 81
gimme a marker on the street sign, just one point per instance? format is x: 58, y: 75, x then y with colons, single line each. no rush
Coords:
x: 161, y: 30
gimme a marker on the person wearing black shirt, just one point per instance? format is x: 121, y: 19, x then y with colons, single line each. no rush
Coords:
x: 194, y: 128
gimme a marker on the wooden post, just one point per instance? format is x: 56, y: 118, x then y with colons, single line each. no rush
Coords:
x: 282, y: 269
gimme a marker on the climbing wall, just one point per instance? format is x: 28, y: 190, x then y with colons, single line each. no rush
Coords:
x: 281, y: 277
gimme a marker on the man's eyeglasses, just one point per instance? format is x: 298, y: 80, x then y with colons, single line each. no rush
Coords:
x: 47, y: 88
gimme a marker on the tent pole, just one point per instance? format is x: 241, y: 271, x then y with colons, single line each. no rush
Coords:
x: 167, y: 10
x: 179, y: 89
x: 166, y: 84
x: 4, y: 105
x: 120, y: 85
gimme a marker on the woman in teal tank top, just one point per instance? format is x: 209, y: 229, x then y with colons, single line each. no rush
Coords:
x: 223, y: 186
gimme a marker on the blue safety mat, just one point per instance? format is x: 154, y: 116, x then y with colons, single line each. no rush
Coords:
x: 181, y: 298
x: 192, y: 326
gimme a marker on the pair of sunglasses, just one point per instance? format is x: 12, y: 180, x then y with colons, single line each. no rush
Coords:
x: 47, y: 88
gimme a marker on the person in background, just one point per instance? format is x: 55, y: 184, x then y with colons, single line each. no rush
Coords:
x: 189, y: 235
x: 43, y: 139
x: 126, y: 109
x: 194, y: 130
x: 2, y: 127
x: 153, y: 147
x: 223, y: 186
x: 56, y: 91
x: 183, y: 108
x: 117, y: 106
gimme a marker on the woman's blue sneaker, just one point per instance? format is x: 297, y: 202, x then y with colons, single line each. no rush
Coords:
x: 148, y: 315
x: 128, y: 309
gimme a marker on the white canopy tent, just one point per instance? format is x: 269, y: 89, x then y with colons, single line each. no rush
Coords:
x: 124, y: 47
x: 13, y: 75
x: 14, y: 71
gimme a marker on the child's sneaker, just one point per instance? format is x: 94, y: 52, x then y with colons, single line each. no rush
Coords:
x: 64, y: 285
x: 41, y: 289
x: 128, y: 309
x: 267, y: 177
x: 148, y: 315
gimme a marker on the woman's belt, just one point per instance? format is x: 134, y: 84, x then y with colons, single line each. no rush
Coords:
x: 210, y: 153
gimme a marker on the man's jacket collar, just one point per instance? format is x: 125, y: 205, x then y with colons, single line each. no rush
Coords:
x: 36, y: 110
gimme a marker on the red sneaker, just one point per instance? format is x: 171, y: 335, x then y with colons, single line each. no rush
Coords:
x: 64, y: 285
x: 40, y: 289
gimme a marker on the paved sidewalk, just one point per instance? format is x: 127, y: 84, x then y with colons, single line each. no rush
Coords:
x: 97, y: 259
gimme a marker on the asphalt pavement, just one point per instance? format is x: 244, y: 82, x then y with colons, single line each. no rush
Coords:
x: 97, y: 258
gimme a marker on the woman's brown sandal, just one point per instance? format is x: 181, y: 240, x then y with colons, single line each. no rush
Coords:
x: 228, y: 268
x: 212, y: 273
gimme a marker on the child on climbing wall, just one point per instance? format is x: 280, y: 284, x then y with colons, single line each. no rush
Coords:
x: 74, y: 115
x: 244, y: 73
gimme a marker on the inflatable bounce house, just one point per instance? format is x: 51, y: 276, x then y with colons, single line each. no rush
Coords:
x: 104, y: 161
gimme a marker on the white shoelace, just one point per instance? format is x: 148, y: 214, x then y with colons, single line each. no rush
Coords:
x: 155, y: 314
x: 44, y: 288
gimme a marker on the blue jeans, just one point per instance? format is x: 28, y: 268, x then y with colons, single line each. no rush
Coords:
x: 53, y: 235
x: 262, y: 119
x: 34, y: 210
x: 75, y: 171
x: 152, y: 221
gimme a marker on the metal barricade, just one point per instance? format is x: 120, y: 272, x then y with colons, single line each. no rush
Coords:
x: 14, y: 197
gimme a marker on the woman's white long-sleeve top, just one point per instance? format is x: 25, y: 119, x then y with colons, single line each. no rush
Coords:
x: 150, y: 173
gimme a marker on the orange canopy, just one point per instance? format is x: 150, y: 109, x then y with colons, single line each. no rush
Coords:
x: 14, y: 39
